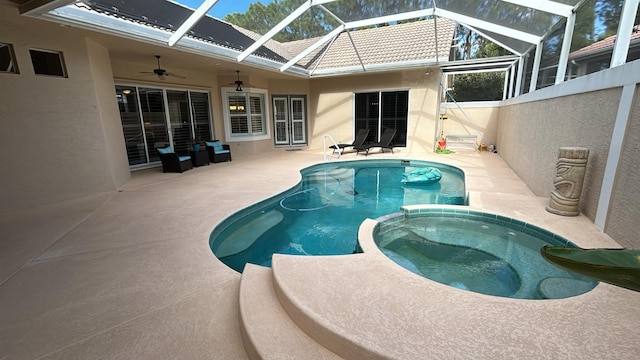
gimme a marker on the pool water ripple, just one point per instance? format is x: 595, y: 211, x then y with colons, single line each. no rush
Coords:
x: 321, y: 215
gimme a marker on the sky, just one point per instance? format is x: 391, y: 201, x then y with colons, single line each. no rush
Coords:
x: 223, y: 7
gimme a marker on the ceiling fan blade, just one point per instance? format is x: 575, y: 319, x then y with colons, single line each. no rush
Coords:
x: 175, y: 75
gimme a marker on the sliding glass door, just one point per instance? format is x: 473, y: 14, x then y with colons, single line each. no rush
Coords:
x: 379, y: 110
x: 154, y: 117
x: 155, y: 130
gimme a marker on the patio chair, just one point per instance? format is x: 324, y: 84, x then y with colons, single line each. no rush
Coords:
x: 361, y: 137
x: 218, y: 152
x: 172, y: 162
x: 386, y: 142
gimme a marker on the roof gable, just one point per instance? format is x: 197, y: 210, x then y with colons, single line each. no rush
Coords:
x: 399, y: 43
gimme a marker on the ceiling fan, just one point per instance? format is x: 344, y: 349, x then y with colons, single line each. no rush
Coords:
x: 239, y: 83
x: 160, y: 72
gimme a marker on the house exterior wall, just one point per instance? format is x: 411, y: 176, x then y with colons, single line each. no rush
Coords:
x: 622, y: 223
x: 57, y: 136
x: 530, y: 134
x: 108, y: 112
x: 331, y: 105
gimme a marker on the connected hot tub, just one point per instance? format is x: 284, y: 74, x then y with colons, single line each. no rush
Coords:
x: 477, y: 251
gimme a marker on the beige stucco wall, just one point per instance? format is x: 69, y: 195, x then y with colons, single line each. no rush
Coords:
x: 479, y: 119
x: 622, y: 222
x: 331, y: 105
x: 56, y: 133
x: 529, y: 135
x: 108, y: 112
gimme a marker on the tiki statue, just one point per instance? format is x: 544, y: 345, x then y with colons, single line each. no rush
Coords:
x: 570, y: 171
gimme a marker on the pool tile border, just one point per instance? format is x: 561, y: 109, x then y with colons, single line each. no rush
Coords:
x: 413, y: 211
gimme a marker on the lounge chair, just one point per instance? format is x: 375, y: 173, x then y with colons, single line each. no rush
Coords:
x: 172, y: 162
x: 386, y: 142
x: 361, y: 137
x: 218, y: 152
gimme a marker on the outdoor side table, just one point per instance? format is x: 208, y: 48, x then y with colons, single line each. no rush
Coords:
x: 199, y: 158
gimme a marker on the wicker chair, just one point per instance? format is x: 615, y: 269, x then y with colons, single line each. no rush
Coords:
x: 172, y: 162
x: 218, y: 152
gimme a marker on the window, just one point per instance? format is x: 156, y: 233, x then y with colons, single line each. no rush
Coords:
x: 47, y: 63
x: 7, y: 59
x: 379, y: 110
x: 245, y: 115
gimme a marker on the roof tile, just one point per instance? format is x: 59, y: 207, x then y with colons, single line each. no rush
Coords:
x: 602, y: 45
x: 385, y: 44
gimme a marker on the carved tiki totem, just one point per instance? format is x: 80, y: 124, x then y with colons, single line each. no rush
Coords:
x: 570, y: 171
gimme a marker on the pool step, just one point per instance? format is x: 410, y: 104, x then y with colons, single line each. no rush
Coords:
x: 244, y: 237
x: 267, y: 331
x: 335, y: 309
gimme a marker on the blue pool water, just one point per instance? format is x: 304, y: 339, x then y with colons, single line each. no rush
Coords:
x: 322, y: 214
x: 480, y: 252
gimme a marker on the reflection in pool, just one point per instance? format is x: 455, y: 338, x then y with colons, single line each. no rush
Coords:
x: 321, y: 215
x: 480, y: 252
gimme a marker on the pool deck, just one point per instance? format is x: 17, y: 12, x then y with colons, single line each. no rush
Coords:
x: 129, y: 275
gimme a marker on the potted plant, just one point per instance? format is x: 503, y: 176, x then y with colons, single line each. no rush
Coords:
x: 196, y: 144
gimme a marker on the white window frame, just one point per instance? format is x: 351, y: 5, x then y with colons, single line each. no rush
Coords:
x: 231, y: 91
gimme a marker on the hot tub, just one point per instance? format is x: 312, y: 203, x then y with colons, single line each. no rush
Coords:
x: 477, y: 251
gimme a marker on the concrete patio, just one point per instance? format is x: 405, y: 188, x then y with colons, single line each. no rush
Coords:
x: 129, y: 274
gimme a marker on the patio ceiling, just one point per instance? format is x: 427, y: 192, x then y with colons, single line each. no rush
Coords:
x: 519, y: 26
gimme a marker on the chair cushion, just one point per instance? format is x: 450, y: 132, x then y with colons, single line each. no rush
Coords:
x: 217, y: 147
x: 167, y: 150
x: 184, y: 158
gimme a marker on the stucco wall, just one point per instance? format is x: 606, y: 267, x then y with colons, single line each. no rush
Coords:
x: 54, y: 144
x: 530, y: 134
x: 108, y: 112
x: 331, y: 102
x: 479, y: 119
x: 624, y: 214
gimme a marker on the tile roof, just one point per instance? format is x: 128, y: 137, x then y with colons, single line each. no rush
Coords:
x: 387, y: 44
x: 271, y: 44
x: 603, y: 45
x: 413, y: 41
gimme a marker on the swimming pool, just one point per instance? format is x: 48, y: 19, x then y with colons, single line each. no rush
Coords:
x: 477, y: 251
x: 321, y: 215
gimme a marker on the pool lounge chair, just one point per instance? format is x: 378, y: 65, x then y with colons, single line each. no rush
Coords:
x: 361, y: 137
x: 386, y: 142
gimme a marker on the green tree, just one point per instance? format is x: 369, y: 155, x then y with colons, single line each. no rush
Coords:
x: 260, y: 19
x: 485, y: 86
x: 315, y: 21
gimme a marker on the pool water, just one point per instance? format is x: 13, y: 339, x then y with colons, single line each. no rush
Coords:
x: 480, y: 252
x: 321, y: 215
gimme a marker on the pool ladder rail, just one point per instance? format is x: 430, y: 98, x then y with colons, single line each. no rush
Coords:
x: 325, y: 147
